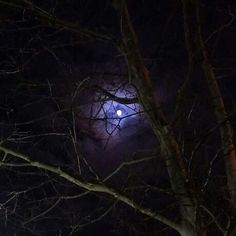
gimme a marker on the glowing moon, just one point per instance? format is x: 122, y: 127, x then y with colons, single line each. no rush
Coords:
x: 119, y: 112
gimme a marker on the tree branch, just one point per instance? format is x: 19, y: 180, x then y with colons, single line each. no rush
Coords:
x: 52, y: 21
x: 93, y: 187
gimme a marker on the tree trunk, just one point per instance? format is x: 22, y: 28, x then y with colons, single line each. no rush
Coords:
x: 139, y: 77
x: 198, y: 55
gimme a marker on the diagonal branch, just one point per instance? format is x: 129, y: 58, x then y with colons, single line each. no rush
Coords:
x: 93, y: 187
x: 52, y: 21
x: 140, y: 78
x: 198, y: 56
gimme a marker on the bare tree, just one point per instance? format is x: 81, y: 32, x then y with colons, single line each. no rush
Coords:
x: 55, y: 127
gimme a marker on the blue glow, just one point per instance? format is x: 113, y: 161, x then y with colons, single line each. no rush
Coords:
x: 112, y: 118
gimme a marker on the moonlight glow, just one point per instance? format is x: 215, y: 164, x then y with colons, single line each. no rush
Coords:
x: 111, y: 117
x: 119, y: 112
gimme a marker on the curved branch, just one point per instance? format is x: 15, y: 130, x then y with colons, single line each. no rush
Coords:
x: 100, y: 188
x: 121, y: 100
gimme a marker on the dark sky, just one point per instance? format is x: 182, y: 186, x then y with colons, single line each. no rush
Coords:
x: 48, y: 80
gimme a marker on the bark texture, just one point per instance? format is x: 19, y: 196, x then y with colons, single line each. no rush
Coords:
x: 198, y: 56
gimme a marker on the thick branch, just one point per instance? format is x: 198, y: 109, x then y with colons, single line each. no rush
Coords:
x: 52, y: 21
x: 92, y: 187
x: 198, y: 55
x: 139, y: 76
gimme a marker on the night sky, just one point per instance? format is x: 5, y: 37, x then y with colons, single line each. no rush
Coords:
x: 56, y: 86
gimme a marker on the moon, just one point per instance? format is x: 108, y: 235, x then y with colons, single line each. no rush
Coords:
x: 119, y: 112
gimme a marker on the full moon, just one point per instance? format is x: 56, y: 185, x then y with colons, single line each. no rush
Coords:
x: 119, y: 112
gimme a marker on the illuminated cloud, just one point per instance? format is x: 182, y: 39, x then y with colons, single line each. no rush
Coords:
x: 111, y: 119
